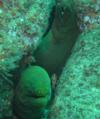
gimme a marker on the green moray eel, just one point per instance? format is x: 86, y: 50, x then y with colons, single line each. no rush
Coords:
x: 57, y: 45
x: 32, y: 94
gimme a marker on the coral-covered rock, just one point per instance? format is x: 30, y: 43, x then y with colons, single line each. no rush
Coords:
x: 78, y: 92
x: 6, y: 97
x: 22, y: 25
x: 33, y: 93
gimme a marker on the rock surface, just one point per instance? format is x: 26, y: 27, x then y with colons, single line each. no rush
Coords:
x: 78, y: 92
x: 6, y: 97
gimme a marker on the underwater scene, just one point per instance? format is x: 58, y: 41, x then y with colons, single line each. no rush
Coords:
x: 49, y: 59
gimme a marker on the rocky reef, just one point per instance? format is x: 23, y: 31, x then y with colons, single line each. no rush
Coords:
x: 77, y: 95
x: 22, y: 27
x: 78, y: 90
x: 64, y: 38
x: 6, y: 97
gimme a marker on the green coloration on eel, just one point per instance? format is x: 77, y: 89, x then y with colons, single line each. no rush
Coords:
x: 33, y: 93
x: 57, y: 45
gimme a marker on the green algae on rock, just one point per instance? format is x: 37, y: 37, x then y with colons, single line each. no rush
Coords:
x: 33, y: 93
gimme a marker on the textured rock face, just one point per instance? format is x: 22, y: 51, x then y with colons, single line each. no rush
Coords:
x: 22, y: 26
x: 88, y: 13
x: 78, y: 92
x: 6, y: 96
